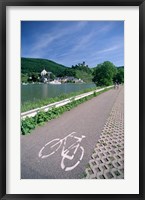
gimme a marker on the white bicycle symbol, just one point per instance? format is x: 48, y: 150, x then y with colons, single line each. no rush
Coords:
x: 55, y: 144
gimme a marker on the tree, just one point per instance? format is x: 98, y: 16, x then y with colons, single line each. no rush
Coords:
x: 82, y: 67
x: 104, y: 73
x: 119, y: 77
x: 24, y: 78
x: 52, y: 76
x: 33, y: 77
x: 68, y: 72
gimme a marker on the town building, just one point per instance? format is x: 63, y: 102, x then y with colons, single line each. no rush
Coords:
x: 45, y: 76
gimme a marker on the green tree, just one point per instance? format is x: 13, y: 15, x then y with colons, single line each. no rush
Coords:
x: 52, y: 76
x: 68, y: 72
x: 34, y: 77
x: 24, y: 78
x: 82, y: 67
x: 104, y: 74
x: 119, y: 77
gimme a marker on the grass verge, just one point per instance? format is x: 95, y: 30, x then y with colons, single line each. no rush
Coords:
x: 29, y: 105
x: 30, y: 123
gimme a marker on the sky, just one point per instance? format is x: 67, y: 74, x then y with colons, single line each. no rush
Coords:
x: 72, y: 42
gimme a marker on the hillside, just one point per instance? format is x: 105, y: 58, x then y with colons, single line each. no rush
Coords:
x: 30, y: 65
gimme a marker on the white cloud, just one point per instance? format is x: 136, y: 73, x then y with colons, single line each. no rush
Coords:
x: 82, y: 42
x: 44, y: 40
x: 109, y: 49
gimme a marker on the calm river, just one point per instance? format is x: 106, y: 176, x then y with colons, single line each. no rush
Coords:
x: 32, y: 92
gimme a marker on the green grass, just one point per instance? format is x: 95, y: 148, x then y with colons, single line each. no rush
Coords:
x: 30, y: 123
x: 29, y: 105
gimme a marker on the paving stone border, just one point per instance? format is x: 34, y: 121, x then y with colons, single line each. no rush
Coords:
x: 107, y: 160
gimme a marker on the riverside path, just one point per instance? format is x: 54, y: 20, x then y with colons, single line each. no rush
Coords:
x: 62, y: 148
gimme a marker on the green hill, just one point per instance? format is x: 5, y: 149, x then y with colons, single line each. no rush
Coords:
x: 34, y: 65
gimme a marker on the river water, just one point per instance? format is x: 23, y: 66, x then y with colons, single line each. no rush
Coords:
x: 32, y: 92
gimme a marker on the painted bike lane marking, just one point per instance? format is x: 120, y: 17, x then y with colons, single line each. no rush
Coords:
x: 55, y: 144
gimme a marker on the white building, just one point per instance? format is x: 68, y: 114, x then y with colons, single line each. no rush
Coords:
x: 44, y: 72
x: 45, y: 76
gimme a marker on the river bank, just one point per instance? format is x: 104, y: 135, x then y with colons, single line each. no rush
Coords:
x: 40, y: 96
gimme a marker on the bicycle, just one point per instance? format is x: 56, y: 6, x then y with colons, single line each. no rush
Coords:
x: 55, y: 144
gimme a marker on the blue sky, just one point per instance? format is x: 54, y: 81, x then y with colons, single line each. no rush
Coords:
x: 72, y: 42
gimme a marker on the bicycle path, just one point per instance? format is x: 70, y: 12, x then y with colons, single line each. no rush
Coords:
x: 88, y: 119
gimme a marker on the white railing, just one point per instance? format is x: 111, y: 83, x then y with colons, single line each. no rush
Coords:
x: 32, y: 113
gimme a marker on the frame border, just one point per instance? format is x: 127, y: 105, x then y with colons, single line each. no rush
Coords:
x: 3, y: 5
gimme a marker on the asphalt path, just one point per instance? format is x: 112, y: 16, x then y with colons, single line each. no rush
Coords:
x: 75, y: 132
